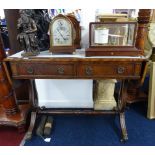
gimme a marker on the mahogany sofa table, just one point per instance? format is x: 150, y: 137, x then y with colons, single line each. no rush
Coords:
x: 107, y: 67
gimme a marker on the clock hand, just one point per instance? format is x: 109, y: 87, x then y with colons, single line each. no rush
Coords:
x: 61, y: 34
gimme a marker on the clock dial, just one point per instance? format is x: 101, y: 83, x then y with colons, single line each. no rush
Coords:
x: 62, y: 33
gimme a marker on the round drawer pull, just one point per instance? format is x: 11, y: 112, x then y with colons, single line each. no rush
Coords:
x: 30, y: 70
x: 60, y: 70
x: 89, y: 71
x: 120, y: 70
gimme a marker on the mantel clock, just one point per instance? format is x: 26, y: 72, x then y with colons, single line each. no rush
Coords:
x: 61, y: 35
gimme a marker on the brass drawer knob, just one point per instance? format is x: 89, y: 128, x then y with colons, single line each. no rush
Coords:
x: 60, y: 70
x: 89, y: 71
x: 30, y: 70
x: 120, y: 70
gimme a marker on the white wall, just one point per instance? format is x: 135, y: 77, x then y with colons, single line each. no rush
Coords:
x: 65, y: 93
x: 87, y: 16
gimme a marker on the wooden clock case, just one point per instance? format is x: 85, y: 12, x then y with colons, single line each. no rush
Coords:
x: 76, y: 31
x: 61, y: 48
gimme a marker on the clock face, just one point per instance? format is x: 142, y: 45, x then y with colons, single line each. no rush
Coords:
x: 61, y: 31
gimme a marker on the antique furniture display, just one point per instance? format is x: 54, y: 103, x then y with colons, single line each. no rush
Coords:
x: 77, y: 68
x: 61, y: 35
x: 124, y: 63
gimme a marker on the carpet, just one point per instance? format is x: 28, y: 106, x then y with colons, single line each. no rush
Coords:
x: 9, y: 136
x: 102, y: 130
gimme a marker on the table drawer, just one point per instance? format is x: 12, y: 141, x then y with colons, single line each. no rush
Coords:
x: 110, y: 70
x: 41, y: 70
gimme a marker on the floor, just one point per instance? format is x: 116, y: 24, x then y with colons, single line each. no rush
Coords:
x: 9, y: 136
x: 100, y: 130
x: 90, y: 130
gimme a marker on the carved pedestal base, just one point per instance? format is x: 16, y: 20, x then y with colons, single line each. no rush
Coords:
x: 9, y: 104
x: 17, y: 120
x: 104, y: 99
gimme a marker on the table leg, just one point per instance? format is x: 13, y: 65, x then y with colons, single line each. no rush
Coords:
x: 121, y: 108
x: 123, y: 127
x: 32, y: 124
x: 32, y: 99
